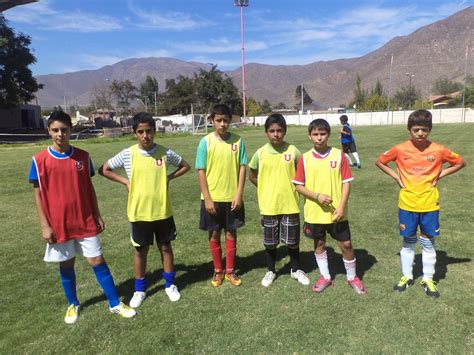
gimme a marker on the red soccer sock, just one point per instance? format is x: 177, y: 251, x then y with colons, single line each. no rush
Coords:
x: 216, y: 252
x: 230, y: 252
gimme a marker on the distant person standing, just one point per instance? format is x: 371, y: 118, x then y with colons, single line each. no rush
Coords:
x: 348, y: 142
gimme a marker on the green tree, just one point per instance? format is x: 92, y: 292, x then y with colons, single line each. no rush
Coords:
x: 360, y: 94
x: 179, y: 95
x: 444, y: 86
x: 307, y: 100
x: 149, y: 93
x: 266, y: 107
x: 17, y: 84
x: 406, y: 97
x: 124, y: 92
x: 253, y: 107
x: 375, y: 102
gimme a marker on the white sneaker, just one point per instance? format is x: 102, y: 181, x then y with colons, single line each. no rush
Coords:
x: 268, y: 278
x: 71, y: 314
x: 173, y: 293
x: 137, y: 299
x: 124, y: 310
x: 300, y: 276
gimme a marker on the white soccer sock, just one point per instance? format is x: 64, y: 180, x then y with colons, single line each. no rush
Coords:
x: 356, y: 157
x: 407, y: 256
x: 350, y: 266
x: 428, y: 257
x: 322, y: 261
x: 348, y: 158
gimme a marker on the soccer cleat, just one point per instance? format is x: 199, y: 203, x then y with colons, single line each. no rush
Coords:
x: 72, y: 313
x: 359, y: 166
x: 430, y: 288
x: 300, y: 276
x: 217, y: 279
x: 137, y: 299
x: 124, y: 310
x: 268, y: 278
x: 173, y: 293
x: 403, y: 284
x: 233, y: 278
x: 322, y: 284
x: 357, y: 285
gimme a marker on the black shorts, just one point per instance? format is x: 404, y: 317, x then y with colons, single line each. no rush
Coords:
x: 339, y: 231
x: 282, y: 227
x: 349, y: 147
x: 224, y: 219
x: 143, y: 233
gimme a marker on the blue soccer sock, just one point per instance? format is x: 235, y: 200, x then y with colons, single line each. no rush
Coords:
x: 140, y: 285
x: 169, y: 278
x: 68, y: 280
x: 106, y: 281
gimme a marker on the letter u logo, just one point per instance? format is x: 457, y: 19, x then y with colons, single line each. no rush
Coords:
x: 159, y: 162
x: 287, y: 157
x: 333, y: 164
x: 233, y: 146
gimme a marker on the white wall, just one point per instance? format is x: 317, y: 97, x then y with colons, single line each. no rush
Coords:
x: 453, y: 115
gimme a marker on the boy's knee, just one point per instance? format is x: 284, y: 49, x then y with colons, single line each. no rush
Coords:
x: 346, y: 245
x: 97, y: 260
x: 165, y: 247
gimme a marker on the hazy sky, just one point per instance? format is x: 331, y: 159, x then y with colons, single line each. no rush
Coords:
x: 72, y: 35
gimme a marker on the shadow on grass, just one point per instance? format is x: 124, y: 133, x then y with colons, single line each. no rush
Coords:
x: 441, y: 268
x: 190, y: 274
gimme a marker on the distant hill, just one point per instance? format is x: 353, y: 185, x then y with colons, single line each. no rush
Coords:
x: 431, y: 52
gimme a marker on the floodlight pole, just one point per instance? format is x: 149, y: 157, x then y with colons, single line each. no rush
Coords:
x: 389, y: 91
x: 464, y: 87
x: 242, y: 4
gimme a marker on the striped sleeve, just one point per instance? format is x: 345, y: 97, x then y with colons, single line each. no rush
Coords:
x: 122, y: 160
x: 173, y: 158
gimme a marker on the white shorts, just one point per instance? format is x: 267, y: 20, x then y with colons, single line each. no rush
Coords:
x: 89, y: 247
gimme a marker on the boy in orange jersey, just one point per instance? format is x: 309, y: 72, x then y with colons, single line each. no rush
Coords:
x: 323, y: 177
x: 220, y: 162
x: 272, y: 169
x: 420, y: 167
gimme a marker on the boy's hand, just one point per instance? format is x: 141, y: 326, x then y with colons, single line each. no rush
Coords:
x: 236, y: 203
x: 323, y: 199
x: 210, y: 207
x: 48, y: 235
x: 128, y: 185
x: 337, y: 214
x: 100, y: 224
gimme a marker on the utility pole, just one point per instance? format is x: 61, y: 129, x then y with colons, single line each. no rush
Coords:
x: 464, y: 86
x: 389, y: 90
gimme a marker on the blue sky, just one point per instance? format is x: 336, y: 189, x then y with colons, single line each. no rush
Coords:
x: 75, y: 35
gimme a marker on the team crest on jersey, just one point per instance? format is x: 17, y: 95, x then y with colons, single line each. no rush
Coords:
x: 430, y: 158
x: 159, y: 162
x: 234, y: 147
x: 333, y: 164
x: 287, y: 157
x: 79, y: 165
x: 402, y: 227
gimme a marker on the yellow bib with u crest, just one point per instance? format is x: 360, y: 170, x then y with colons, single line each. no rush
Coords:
x: 148, y: 198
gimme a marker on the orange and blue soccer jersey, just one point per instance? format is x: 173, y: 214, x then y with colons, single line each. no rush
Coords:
x: 418, y: 169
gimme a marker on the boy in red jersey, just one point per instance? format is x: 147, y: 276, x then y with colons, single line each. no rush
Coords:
x: 220, y: 162
x: 323, y: 177
x: 420, y: 167
x: 69, y: 215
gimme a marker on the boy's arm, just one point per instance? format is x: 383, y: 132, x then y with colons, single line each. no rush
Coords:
x: 208, y: 203
x: 450, y: 170
x: 46, y: 230
x: 390, y: 172
x: 253, y: 176
x: 98, y: 217
x: 183, y: 168
x: 314, y: 196
x: 339, y: 211
x: 106, y: 170
x: 237, y: 201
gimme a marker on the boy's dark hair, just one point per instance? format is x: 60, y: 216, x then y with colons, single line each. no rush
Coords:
x: 277, y: 119
x: 319, y: 123
x: 60, y: 116
x: 143, y: 117
x: 344, y: 118
x: 220, y: 109
x: 420, y: 118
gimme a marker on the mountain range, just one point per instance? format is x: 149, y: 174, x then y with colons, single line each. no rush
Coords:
x: 433, y: 51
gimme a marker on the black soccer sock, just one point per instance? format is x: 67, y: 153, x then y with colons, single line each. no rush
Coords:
x: 294, y: 254
x: 270, y: 256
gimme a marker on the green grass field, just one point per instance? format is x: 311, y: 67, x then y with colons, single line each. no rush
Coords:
x: 286, y: 317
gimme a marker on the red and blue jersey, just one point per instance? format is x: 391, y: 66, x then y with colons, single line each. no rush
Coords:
x: 66, y: 191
